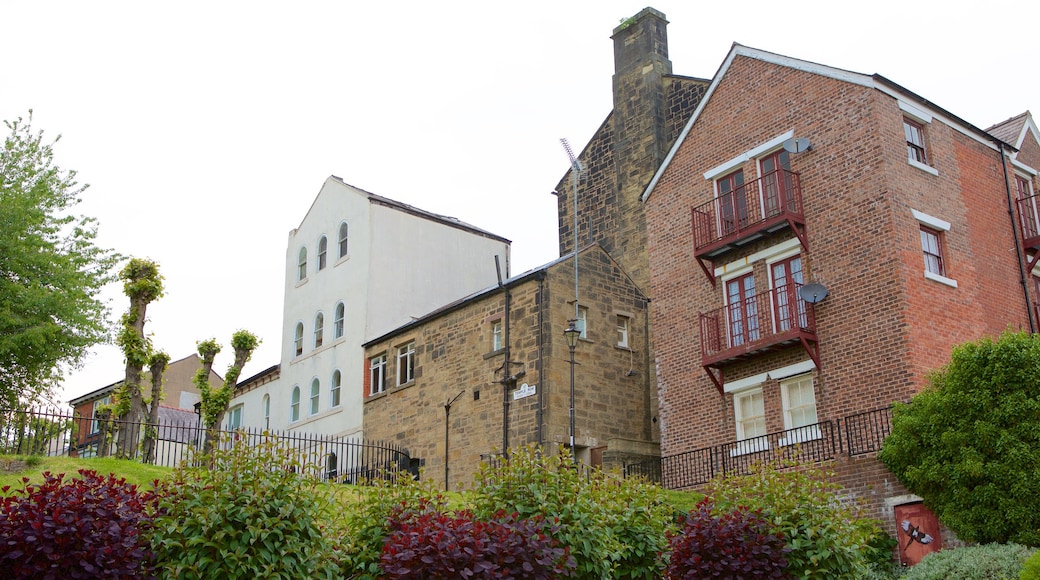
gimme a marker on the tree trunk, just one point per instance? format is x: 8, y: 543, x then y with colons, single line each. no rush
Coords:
x: 156, y: 368
x: 130, y: 429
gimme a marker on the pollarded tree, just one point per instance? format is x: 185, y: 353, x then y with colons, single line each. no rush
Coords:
x: 142, y: 284
x: 215, y: 401
x: 969, y: 443
x: 51, y: 270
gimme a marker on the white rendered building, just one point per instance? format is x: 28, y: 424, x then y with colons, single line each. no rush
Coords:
x: 358, y: 266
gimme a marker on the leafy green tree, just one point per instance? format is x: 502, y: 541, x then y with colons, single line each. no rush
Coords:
x: 215, y: 401
x: 969, y: 443
x: 51, y: 270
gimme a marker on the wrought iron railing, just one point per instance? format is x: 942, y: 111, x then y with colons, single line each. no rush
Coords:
x: 747, y: 209
x: 772, y: 316
x: 55, y: 432
x: 857, y: 434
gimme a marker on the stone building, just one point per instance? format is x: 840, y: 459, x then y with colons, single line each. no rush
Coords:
x: 492, y: 371
x: 818, y: 241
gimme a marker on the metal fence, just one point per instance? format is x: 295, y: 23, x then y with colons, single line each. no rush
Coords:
x: 857, y: 434
x: 54, y: 433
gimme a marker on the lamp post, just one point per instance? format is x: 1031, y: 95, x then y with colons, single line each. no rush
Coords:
x: 571, y: 334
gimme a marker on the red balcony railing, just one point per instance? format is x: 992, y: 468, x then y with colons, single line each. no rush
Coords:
x: 752, y: 210
x: 761, y: 322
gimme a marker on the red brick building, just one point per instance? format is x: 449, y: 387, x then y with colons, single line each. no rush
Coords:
x: 795, y: 182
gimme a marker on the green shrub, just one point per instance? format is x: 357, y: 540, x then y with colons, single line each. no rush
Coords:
x: 988, y: 562
x: 968, y: 443
x: 366, y: 526
x: 828, y: 536
x: 614, y: 528
x: 259, y: 512
x: 1031, y: 568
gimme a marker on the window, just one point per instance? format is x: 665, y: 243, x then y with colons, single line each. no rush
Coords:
x: 1027, y: 207
x: 294, y: 406
x: 622, y: 331
x: 750, y: 410
x: 790, y: 309
x: 319, y: 329
x: 234, y: 416
x: 337, y: 381
x: 799, y: 402
x: 377, y: 374
x: 315, y: 396
x: 777, y: 189
x: 931, y: 245
x: 267, y: 411
x: 337, y: 322
x: 742, y: 310
x: 323, y: 250
x: 582, y: 323
x: 406, y: 363
x: 733, y: 203
x: 343, y: 239
x: 496, y: 335
x: 301, y: 265
x: 298, y: 339
x: 95, y: 425
x: 914, y: 132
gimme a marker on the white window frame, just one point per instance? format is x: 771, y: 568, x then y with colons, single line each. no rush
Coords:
x: 323, y: 251
x: 406, y: 363
x: 319, y: 330
x: 798, y: 433
x: 234, y: 415
x: 301, y: 265
x: 335, y: 389
x: 622, y: 330
x: 266, y: 404
x: 924, y: 119
x: 339, y: 319
x: 496, y: 336
x: 582, y: 323
x: 298, y: 340
x: 294, y: 404
x: 343, y: 240
x: 377, y: 370
x: 754, y: 443
x: 315, y: 398
x: 941, y: 226
x: 95, y: 424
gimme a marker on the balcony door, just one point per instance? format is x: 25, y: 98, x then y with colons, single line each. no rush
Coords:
x: 733, y: 203
x: 777, y: 193
x: 787, y: 278
x: 742, y: 310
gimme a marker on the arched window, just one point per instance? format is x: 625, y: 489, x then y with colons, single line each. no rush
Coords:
x: 323, y: 249
x: 337, y: 322
x: 342, y: 239
x: 319, y: 329
x: 315, y: 396
x: 298, y: 339
x: 302, y: 265
x: 294, y: 408
x: 267, y: 411
x: 337, y: 380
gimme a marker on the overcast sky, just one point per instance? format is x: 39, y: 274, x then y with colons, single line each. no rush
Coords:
x: 205, y: 129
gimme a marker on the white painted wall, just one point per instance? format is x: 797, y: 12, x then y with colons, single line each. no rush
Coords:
x: 399, y: 265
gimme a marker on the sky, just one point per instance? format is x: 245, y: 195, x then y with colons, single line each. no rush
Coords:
x: 206, y: 129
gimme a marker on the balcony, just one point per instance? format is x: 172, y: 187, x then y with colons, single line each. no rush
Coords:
x: 1029, y: 211
x: 766, y: 321
x: 752, y: 211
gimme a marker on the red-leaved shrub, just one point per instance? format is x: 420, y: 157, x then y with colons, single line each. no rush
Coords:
x: 76, y: 528
x: 433, y: 544
x: 735, y: 545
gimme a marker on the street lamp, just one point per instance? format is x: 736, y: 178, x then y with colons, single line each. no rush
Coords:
x: 571, y: 334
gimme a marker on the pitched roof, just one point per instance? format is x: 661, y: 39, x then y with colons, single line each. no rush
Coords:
x: 1009, y: 131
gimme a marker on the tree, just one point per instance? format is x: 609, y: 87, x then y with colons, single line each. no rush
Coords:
x: 215, y: 401
x: 51, y: 270
x: 143, y: 284
x: 969, y: 443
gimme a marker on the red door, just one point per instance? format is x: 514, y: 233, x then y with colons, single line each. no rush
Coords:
x: 917, y: 532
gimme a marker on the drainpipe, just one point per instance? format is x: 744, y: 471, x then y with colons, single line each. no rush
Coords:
x: 542, y: 301
x: 506, y: 367
x: 646, y: 370
x: 1014, y: 234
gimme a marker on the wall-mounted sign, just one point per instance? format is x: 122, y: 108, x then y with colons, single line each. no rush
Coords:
x: 525, y: 390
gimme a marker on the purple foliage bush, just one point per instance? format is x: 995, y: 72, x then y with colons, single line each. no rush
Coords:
x: 433, y: 544
x: 77, y: 528
x: 735, y: 544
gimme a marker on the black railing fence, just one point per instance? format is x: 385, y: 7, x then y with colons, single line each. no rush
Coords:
x: 854, y: 435
x: 54, y: 432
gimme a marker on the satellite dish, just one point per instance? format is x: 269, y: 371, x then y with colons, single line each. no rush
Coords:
x: 797, y: 145
x: 812, y: 293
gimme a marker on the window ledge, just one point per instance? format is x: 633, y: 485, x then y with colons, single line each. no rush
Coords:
x: 375, y: 396
x: 748, y: 447
x: 941, y: 279
x: 923, y: 167
x: 494, y: 353
x: 301, y: 282
x: 800, y: 435
x: 341, y: 260
x: 624, y: 347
